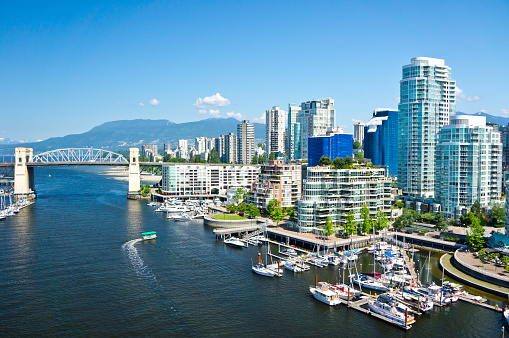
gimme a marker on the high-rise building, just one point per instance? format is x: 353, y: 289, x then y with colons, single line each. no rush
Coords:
x: 219, y: 144
x: 167, y: 148
x: 182, y: 149
x: 293, y: 134
x: 201, y: 145
x: 358, y: 132
x: 468, y: 164
x: 149, y: 149
x: 230, y: 148
x: 246, y: 142
x: 427, y: 98
x: 275, y: 130
x: 331, y: 146
x: 381, y: 139
x: 315, y: 117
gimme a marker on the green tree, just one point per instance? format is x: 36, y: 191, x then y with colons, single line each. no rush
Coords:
x: 367, y: 222
x: 239, y: 195
x: 325, y: 161
x: 349, y: 160
x: 328, y: 229
x: 260, y: 145
x: 357, y: 145
x: 242, y: 207
x: 504, y: 260
x: 497, y: 214
x: 291, y: 214
x: 475, y: 234
x: 272, y: 156
x: 338, y: 163
x: 351, y: 224
x: 231, y: 207
x: 405, y: 220
x: 213, y: 156
x: 254, y: 160
x: 381, y: 221
x: 359, y: 157
x: 252, y: 211
x: 476, y: 208
x: 482, y: 252
x: 273, y: 204
x: 399, y: 205
x: 277, y: 214
x: 151, y: 157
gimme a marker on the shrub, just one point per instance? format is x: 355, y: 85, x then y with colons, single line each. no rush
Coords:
x: 241, y: 213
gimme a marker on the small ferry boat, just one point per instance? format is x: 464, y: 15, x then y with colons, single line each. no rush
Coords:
x: 148, y: 235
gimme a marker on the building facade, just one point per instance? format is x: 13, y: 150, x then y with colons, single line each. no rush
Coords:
x: 206, y: 179
x: 245, y: 142
x: 358, y: 132
x: 167, y: 148
x: 275, y: 130
x: 331, y: 146
x: 314, y: 118
x: 279, y: 181
x: 468, y: 164
x: 381, y: 139
x: 328, y: 192
x: 149, y: 149
x: 230, y: 148
x: 293, y: 134
x: 427, y: 99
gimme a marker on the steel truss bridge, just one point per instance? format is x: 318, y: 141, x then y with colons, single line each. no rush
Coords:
x: 79, y: 156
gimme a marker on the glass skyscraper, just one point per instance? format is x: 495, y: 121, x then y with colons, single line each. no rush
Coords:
x: 427, y: 98
x: 293, y: 133
x: 381, y: 139
x: 333, y: 146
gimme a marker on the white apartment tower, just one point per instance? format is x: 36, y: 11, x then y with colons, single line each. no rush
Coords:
x: 275, y: 130
x: 468, y: 164
x: 246, y: 142
x: 358, y: 132
x: 427, y: 99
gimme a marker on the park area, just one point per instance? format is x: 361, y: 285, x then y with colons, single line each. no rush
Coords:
x: 229, y: 217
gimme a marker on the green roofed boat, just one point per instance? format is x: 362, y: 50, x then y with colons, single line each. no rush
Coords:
x: 148, y: 235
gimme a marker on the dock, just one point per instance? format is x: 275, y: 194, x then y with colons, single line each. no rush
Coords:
x: 481, y: 303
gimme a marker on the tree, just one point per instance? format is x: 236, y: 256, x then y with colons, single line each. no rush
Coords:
x: 254, y: 160
x: 476, y: 208
x: 272, y: 156
x: 260, y: 145
x: 242, y: 207
x: 350, y: 225
x: 277, y: 214
x: 291, y: 214
x: 367, y: 222
x: 475, y: 234
x: 239, y: 195
x: 504, y: 260
x: 405, y: 220
x: 399, y: 205
x: 231, y: 207
x: 381, y: 221
x: 213, y: 156
x: 357, y: 145
x: 273, y: 203
x: 325, y: 161
x: 497, y: 214
x: 328, y: 228
x: 349, y: 160
x: 359, y: 157
x: 151, y: 157
x: 252, y: 211
x: 338, y: 163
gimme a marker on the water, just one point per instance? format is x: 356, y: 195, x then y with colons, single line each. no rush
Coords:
x: 73, y: 264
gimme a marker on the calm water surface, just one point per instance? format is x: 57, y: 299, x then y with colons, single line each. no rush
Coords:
x: 72, y: 264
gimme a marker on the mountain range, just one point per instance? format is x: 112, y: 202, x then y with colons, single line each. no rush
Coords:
x: 503, y: 121
x: 122, y: 134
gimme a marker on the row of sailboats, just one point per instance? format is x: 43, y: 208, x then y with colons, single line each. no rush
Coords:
x: 9, y: 208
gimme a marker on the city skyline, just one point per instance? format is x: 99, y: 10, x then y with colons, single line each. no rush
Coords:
x: 69, y: 67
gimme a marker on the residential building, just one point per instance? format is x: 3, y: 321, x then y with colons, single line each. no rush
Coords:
x: 427, y: 99
x: 219, y: 144
x: 504, y: 136
x: 149, y: 149
x: 468, y: 164
x: 358, y: 132
x: 230, y: 148
x: 182, y: 149
x: 246, y: 142
x: 201, y: 145
x: 328, y: 192
x: 167, y: 148
x: 275, y: 130
x: 206, y: 179
x: 381, y: 139
x: 332, y: 146
x: 314, y: 117
x: 279, y: 181
x: 293, y: 136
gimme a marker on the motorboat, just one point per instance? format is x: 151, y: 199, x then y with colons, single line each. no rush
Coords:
x: 235, y: 242
x: 255, y: 242
x: 152, y: 204
x: 289, y: 252
x: 390, y: 311
x: 293, y: 266
x: 182, y: 217
x: 322, y: 293
x: 506, y: 314
x: 260, y: 238
x: 319, y: 261
x: 344, y: 289
x: 432, y: 292
x: 364, y: 282
x: 148, y: 235
x: 385, y: 298
x: 334, y: 260
x: 174, y: 208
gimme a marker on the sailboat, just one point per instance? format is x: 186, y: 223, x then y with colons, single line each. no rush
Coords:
x: 262, y: 269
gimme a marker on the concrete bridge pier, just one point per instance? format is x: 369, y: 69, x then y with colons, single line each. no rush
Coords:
x: 24, y: 184
x: 134, y: 174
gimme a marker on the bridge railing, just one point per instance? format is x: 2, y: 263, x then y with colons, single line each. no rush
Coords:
x: 75, y: 155
x: 7, y: 158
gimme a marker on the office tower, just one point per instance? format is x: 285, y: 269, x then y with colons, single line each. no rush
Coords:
x: 331, y: 146
x: 275, y: 130
x: 358, y: 132
x: 427, y: 98
x: 315, y: 117
x: 246, y: 142
x: 293, y: 136
x: 468, y: 164
x: 230, y: 148
x: 381, y: 139
x: 167, y: 148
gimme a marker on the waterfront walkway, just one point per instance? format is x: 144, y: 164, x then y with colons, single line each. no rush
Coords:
x: 491, y: 268
x: 450, y: 270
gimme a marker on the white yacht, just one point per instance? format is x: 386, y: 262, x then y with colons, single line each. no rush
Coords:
x: 390, y: 311
x: 293, y: 266
x: 235, y: 242
x: 152, y: 204
x: 289, y: 252
x: 254, y: 241
x: 182, y: 217
x: 345, y: 288
x: 174, y: 208
x: 320, y: 261
x: 263, y: 270
x: 325, y: 295
x: 364, y: 282
x: 334, y: 260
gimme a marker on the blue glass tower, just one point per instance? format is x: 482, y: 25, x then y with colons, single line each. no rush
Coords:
x: 381, y: 139
x: 332, y: 146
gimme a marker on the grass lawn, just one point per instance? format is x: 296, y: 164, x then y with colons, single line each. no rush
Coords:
x: 229, y: 217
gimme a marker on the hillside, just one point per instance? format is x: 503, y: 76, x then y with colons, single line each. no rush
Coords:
x: 120, y: 135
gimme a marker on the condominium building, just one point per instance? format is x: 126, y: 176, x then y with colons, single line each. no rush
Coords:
x: 230, y: 148
x: 332, y: 146
x: 468, y: 164
x: 219, y: 144
x: 167, y: 148
x: 381, y: 139
x: 279, y: 181
x: 149, y: 149
x: 293, y: 133
x: 246, y: 142
x: 275, y: 130
x: 427, y: 99
x: 206, y: 179
x: 314, y: 117
x: 328, y: 192
x: 182, y: 149
x: 358, y: 132
x: 201, y: 145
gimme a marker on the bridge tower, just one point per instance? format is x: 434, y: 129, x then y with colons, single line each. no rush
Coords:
x: 134, y: 172
x: 23, y: 175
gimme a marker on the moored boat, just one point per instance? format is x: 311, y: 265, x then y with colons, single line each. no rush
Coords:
x: 235, y: 242
x: 364, y: 282
x: 322, y: 293
x: 391, y: 312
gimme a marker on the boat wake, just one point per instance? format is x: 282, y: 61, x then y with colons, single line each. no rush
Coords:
x: 136, y: 262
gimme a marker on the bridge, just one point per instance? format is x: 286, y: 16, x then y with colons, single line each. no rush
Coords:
x: 25, y: 161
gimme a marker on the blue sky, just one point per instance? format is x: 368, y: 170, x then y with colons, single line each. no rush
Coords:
x: 66, y: 67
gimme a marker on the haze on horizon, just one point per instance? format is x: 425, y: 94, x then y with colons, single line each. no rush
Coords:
x: 68, y: 67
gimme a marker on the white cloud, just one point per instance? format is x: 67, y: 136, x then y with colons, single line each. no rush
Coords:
x: 238, y: 116
x: 214, y: 112
x: 153, y: 102
x: 212, y: 101
x: 141, y: 104
x: 202, y: 111
x: 504, y: 112
x: 462, y: 97
x: 260, y: 119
